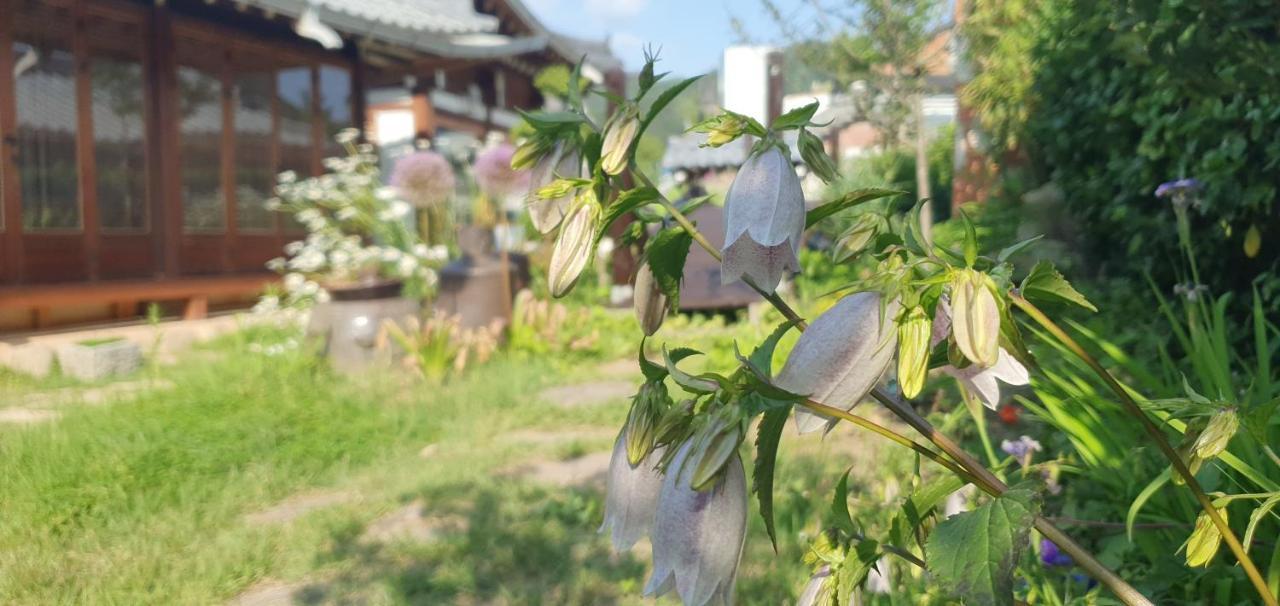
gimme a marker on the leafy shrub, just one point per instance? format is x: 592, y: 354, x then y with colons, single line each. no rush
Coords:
x: 1109, y: 99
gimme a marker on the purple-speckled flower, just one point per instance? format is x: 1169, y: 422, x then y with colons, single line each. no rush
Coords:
x: 1052, y: 556
x: 1180, y: 186
x: 494, y: 174
x: 424, y: 178
x: 1022, y: 448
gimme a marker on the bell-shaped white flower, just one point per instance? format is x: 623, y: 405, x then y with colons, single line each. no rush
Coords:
x: 764, y: 219
x: 574, y: 245
x: 649, y: 301
x: 547, y: 213
x: 841, y: 356
x: 982, y: 381
x: 698, y: 534
x: 631, y: 498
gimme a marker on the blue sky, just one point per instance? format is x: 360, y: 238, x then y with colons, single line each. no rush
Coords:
x: 692, y: 33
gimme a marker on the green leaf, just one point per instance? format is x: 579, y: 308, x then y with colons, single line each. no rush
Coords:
x: 661, y: 102
x: 687, y: 381
x: 626, y: 202
x: 847, y: 201
x: 1256, y: 517
x: 1044, y: 283
x: 574, y: 94
x: 840, y: 505
x: 970, y: 240
x: 666, y: 254
x: 973, y: 554
x: 652, y: 372
x: 796, y: 118
x: 551, y: 119
x: 762, y: 356
x: 1016, y: 248
x: 854, y: 570
x: 768, y: 434
x: 1144, y: 496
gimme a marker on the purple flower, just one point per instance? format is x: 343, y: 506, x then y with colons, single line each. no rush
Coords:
x: 1178, y: 187
x: 424, y: 178
x: 1052, y: 556
x: 1020, y: 448
x: 494, y: 174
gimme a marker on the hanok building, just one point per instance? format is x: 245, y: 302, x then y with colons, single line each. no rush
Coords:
x: 139, y: 140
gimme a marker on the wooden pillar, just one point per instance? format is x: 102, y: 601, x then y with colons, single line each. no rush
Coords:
x: 87, y: 184
x: 359, y: 105
x: 10, y: 195
x: 276, y: 219
x: 317, y: 124
x: 230, y: 236
x: 167, y: 221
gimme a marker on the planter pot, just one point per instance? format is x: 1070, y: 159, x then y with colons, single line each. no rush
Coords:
x: 348, y: 325
x: 94, y: 361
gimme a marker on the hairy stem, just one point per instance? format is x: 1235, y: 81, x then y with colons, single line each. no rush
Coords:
x: 1157, y: 436
x: 981, y: 476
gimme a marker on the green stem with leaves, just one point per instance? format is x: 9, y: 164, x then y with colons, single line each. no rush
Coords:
x: 983, y: 478
x: 1162, y: 442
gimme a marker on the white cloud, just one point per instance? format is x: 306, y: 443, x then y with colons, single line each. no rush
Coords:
x: 614, y: 9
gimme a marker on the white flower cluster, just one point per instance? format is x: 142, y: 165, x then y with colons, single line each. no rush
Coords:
x: 357, y: 230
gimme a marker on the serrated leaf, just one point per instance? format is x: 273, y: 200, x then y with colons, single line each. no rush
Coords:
x: 626, y: 202
x: 762, y: 356
x: 666, y: 254
x: 796, y: 118
x: 847, y: 201
x: 840, y: 505
x: 661, y: 102
x: 973, y: 554
x: 1044, y: 283
x: 551, y: 119
x: 651, y: 371
x: 686, y: 380
x: 768, y: 434
x: 855, y: 569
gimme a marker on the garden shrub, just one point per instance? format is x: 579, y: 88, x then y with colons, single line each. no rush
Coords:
x: 1109, y: 99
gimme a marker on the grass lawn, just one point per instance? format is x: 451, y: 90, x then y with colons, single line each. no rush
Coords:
x: 254, y: 471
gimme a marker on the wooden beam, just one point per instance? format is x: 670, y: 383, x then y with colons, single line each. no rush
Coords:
x: 359, y: 109
x: 107, y: 291
x: 90, y: 221
x: 197, y: 308
x: 169, y: 122
x: 277, y: 220
x: 317, y: 124
x: 11, y: 194
x: 228, y: 162
x: 157, y: 214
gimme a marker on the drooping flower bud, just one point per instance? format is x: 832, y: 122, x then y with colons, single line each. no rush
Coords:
x: 764, y: 219
x: 698, y: 535
x: 641, y: 429
x: 855, y: 239
x: 722, y: 129
x: 631, y: 497
x: 841, y: 356
x: 1205, y: 539
x: 915, y: 330
x: 649, y: 301
x: 975, y: 317
x: 817, y: 592
x: 713, y: 445
x: 1217, y: 434
x: 981, y: 382
x: 546, y: 213
x: 575, y: 244
x: 618, y: 135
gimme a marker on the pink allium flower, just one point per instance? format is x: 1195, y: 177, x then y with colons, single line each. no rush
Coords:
x: 424, y: 178
x: 494, y: 174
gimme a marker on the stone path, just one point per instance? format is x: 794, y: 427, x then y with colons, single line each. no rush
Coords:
x: 299, y: 505
x: 412, y: 523
x: 589, y: 393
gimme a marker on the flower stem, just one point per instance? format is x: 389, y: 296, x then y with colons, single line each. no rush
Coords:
x: 1157, y: 436
x: 985, y: 480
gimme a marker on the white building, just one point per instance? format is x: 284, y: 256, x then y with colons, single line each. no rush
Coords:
x: 751, y: 81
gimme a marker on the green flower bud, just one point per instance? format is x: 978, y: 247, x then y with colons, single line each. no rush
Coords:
x: 575, y: 244
x: 722, y: 129
x: 915, y: 331
x: 647, y: 408
x: 649, y: 301
x: 1203, y: 543
x: 713, y: 445
x: 975, y: 317
x: 856, y: 238
x: 618, y: 135
x: 527, y: 153
x: 1252, y: 242
x: 1217, y: 434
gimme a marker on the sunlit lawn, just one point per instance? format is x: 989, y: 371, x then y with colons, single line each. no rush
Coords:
x: 153, y: 499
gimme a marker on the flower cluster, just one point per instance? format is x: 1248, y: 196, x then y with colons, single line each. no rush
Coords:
x: 424, y: 178
x: 358, y: 231
x: 494, y: 174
